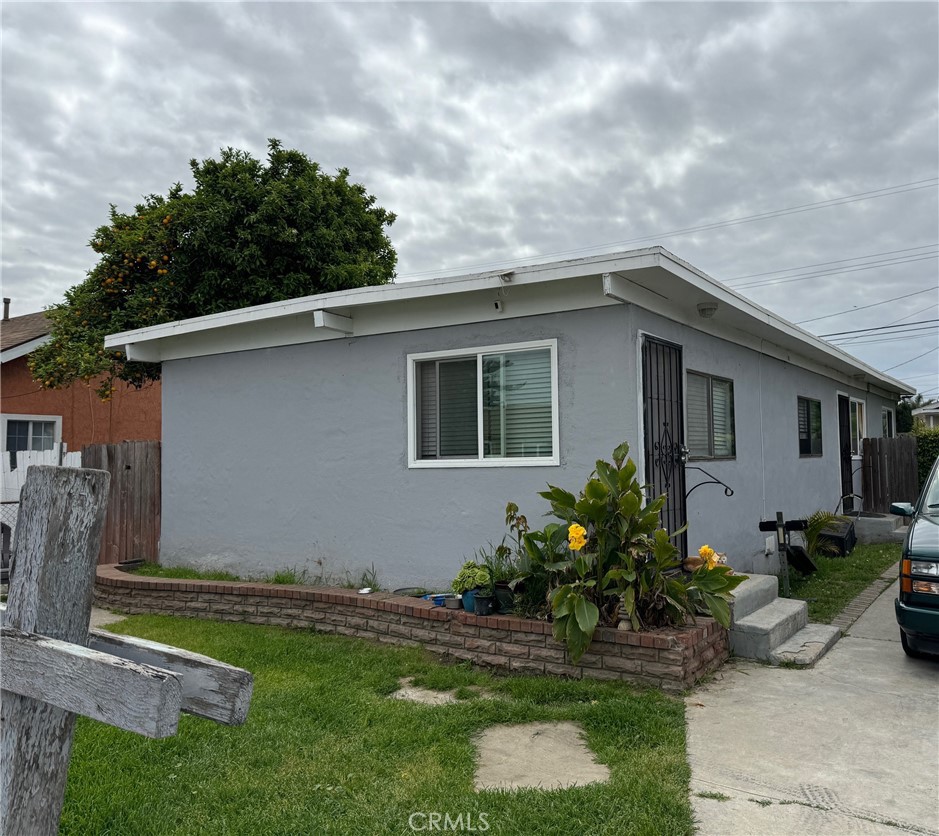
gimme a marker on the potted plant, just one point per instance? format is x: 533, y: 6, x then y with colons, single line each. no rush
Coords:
x: 502, y: 572
x: 471, y: 579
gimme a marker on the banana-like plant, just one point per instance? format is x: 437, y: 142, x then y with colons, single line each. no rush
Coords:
x: 620, y: 564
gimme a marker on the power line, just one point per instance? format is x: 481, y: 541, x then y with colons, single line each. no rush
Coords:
x: 827, y: 263
x: 886, y: 191
x: 895, y: 339
x: 854, y: 269
x: 880, y: 328
x: 864, y: 307
x: 897, y: 366
x: 907, y: 316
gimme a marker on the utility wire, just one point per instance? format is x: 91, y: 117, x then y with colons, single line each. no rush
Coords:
x: 873, y: 341
x: 887, y: 191
x: 897, y: 366
x: 828, y: 263
x: 864, y: 307
x: 907, y: 316
x: 821, y: 273
x: 880, y: 328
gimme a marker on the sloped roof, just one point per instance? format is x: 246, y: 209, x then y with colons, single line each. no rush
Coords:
x: 652, y: 278
x: 22, y: 329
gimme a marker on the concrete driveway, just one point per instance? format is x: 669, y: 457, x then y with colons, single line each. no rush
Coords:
x: 850, y: 746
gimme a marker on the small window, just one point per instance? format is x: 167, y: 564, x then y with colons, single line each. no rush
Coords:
x: 810, y: 427
x: 858, y: 427
x: 488, y: 406
x: 888, y: 418
x: 29, y: 432
x: 709, y: 405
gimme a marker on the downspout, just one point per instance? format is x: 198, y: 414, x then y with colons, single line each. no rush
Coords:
x: 762, y: 443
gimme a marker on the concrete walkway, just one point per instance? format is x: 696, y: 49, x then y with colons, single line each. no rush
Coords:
x: 850, y: 746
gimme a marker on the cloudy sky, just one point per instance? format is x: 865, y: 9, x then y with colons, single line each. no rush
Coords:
x: 790, y: 150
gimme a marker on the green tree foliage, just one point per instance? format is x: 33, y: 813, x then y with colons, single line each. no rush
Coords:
x: 248, y: 234
x: 927, y: 450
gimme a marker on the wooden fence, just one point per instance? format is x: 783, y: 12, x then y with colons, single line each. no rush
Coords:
x: 132, y: 525
x: 889, y: 472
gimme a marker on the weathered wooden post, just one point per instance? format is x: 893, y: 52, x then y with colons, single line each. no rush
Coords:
x: 49, y: 673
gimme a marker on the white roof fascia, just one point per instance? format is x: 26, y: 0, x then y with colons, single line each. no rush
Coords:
x: 309, y: 315
x: 23, y: 349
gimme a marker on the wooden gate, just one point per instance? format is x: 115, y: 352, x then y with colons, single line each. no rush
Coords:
x: 132, y: 525
x: 889, y: 472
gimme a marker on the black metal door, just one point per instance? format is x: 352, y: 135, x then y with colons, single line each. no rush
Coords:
x: 844, y: 441
x: 664, y: 442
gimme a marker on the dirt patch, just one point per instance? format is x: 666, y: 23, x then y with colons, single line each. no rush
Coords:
x: 541, y: 755
x: 425, y: 696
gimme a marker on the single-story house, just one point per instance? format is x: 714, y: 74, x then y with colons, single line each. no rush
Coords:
x: 389, y: 425
x: 928, y: 414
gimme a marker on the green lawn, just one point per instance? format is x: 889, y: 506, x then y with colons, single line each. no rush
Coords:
x: 324, y: 751
x: 840, y: 579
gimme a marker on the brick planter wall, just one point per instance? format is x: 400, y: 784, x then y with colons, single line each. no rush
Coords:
x: 672, y: 659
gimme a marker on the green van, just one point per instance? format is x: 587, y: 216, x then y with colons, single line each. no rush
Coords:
x: 917, y: 606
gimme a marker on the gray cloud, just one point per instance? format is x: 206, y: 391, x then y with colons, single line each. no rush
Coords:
x: 500, y: 131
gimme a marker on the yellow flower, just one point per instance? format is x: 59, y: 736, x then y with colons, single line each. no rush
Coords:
x: 706, y: 552
x: 576, y: 537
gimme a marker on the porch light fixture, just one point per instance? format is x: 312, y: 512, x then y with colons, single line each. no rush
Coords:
x: 707, y: 309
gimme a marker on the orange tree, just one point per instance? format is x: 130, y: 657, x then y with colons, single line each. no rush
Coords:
x: 247, y: 234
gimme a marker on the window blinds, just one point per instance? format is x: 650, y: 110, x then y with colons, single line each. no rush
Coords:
x: 516, y: 398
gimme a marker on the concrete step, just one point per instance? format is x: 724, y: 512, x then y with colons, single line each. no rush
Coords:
x: 757, y: 634
x: 879, y: 528
x: 807, y: 646
x: 755, y: 592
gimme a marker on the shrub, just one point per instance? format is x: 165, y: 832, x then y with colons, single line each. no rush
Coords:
x: 618, y: 564
x: 927, y: 450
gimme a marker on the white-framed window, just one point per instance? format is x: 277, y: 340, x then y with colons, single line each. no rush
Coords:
x: 709, y: 410
x: 889, y: 421
x: 490, y: 406
x: 30, y: 432
x: 858, y: 426
x: 810, y: 427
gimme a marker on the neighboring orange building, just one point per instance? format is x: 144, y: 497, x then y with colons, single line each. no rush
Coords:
x: 35, y: 418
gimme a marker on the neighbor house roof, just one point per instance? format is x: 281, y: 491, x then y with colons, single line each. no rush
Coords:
x: 20, y: 335
x: 651, y: 278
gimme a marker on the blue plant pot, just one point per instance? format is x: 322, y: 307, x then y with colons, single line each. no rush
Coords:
x: 469, y: 600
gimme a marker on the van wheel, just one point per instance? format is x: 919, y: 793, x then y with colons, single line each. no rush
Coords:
x: 909, y: 651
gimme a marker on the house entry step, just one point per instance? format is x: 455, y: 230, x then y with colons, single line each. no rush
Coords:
x: 755, y: 592
x: 807, y: 646
x: 756, y: 635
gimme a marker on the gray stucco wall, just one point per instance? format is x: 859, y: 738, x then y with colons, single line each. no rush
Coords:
x: 297, y: 456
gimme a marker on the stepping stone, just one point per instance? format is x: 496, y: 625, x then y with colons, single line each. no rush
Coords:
x: 546, y: 756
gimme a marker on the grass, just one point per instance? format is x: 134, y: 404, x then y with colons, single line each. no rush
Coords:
x: 840, y: 579
x: 368, y: 577
x: 324, y: 751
